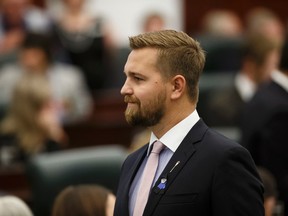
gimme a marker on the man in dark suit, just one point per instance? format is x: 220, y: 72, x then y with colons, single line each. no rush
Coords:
x: 200, y: 172
x: 222, y: 106
x: 265, y: 125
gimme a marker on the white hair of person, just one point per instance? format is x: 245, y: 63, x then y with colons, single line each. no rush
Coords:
x: 13, y: 206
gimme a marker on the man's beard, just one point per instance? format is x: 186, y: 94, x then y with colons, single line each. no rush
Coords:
x: 146, y: 116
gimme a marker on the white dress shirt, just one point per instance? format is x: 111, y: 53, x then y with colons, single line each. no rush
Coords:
x: 245, y: 87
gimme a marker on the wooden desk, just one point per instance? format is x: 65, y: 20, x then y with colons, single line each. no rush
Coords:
x: 92, y: 133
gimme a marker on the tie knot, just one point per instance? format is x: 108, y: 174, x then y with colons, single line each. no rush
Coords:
x: 157, y: 147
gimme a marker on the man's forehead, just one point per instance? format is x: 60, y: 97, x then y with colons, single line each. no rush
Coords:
x: 143, y: 56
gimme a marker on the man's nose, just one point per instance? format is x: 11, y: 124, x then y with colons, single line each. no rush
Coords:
x: 126, y: 89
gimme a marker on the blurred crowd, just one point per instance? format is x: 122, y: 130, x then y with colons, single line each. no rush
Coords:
x: 51, y: 67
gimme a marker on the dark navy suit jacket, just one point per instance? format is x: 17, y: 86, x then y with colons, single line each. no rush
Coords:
x: 215, y: 176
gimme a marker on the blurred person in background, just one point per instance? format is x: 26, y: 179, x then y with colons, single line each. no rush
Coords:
x: 69, y: 89
x: 88, y: 200
x: 270, y: 191
x: 13, y: 206
x: 31, y: 125
x: 86, y: 41
x: 16, y: 18
x: 223, y: 106
x: 153, y: 22
x: 264, y: 126
x: 222, y: 23
x: 221, y: 37
x: 263, y: 21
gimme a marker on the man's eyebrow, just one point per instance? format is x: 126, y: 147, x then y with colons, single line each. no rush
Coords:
x: 134, y: 73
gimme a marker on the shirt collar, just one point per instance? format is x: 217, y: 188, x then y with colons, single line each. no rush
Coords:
x: 280, y: 78
x: 245, y: 86
x: 176, y: 134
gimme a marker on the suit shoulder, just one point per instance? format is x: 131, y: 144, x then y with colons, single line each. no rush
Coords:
x: 218, y: 142
x: 135, y: 154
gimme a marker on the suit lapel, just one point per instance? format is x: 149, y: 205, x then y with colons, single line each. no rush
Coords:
x: 131, y: 174
x: 135, y: 166
x: 184, y: 152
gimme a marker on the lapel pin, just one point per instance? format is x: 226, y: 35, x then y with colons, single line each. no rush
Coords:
x: 174, y: 166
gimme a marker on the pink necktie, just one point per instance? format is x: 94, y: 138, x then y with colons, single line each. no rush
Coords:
x: 147, y: 179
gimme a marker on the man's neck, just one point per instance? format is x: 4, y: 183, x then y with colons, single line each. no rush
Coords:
x: 172, y: 117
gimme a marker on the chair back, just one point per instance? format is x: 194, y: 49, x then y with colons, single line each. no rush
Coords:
x: 50, y: 173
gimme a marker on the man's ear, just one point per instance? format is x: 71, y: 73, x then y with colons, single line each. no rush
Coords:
x: 178, y: 86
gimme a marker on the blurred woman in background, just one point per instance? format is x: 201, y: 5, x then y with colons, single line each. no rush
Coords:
x: 31, y: 125
x: 88, y: 200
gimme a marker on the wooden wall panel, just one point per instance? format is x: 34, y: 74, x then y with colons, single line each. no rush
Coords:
x: 39, y: 3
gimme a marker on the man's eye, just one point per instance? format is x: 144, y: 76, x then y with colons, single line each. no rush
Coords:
x: 138, y: 78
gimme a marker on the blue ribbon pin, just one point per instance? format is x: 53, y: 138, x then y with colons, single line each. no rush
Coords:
x: 162, y: 184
